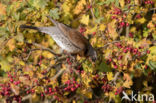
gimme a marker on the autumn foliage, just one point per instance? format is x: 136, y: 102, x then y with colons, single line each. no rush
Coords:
x: 123, y: 32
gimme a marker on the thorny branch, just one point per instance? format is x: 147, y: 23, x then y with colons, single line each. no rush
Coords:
x: 108, y: 44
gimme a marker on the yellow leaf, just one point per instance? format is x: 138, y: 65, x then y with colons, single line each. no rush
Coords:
x: 154, y: 17
x: 78, y: 57
x: 128, y: 83
x: 109, y: 76
x: 79, y: 7
x: 11, y: 44
x: 122, y: 3
x: 35, y: 98
x: 141, y: 20
x: 89, y: 95
x: 5, y: 65
x: 85, y: 19
x: 74, y: 101
x: 52, y: 62
x: 112, y: 30
x: 112, y: 95
x: 102, y: 27
x: 152, y: 55
x: 153, y: 50
x: 22, y: 63
x: 3, y: 9
x: 133, y: 29
x: 66, y: 7
x: 47, y: 54
x: 63, y: 66
x: 91, y: 30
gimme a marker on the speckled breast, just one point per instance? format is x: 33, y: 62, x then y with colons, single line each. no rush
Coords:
x: 65, y: 43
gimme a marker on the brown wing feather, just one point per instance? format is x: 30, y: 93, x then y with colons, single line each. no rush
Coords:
x: 74, y: 36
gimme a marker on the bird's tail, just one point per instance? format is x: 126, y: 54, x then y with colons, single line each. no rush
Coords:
x: 29, y: 27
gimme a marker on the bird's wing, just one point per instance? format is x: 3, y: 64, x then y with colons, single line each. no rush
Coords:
x: 74, y: 36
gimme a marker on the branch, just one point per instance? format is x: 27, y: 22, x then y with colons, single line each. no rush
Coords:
x: 120, y: 31
x: 108, y: 44
x: 91, y: 9
x: 58, y: 74
x: 46, y: 49
x: 127, y: 31
x: 41, y: 48
x: 153, y: 9
x: 116, y: 76
x: 27, y: 97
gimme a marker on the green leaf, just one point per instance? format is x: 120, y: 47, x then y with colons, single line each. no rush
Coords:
x: 42, y: 3
x: 103, y: 67
x: 54, y: 13
x: 5, y: 66
x: 101, y: 3
x: 154, y: 36
x: 98, y: 20
x: 96, y: 12
x: 16, y: 16
x: 117, y: 3
x: 152, y: 65
x: 38, y: 3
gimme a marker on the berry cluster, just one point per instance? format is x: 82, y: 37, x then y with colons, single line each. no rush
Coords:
x: 107, y: 88
x: 149, y: 2
x: 12, y: 80
x: 121, y: 20
x: 136, y: 52
x: 82, y: 30
x: 71, y: 85
x: 5, y: 90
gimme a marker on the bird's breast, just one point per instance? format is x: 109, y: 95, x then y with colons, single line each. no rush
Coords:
x: 65, y: 43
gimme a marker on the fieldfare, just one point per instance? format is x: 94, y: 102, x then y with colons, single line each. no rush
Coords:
x: 70, y: 40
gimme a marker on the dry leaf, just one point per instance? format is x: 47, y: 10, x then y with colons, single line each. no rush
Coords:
x: 15, y: 89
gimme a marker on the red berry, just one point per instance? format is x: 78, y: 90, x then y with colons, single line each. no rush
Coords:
x: 89, y: 6
x: 94, y: 33
x: 131, y: 35
x: 148, y: 52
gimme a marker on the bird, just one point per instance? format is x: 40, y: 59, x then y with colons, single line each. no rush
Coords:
x: 67, y: 38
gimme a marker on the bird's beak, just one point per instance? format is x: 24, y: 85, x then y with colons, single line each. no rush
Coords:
x: 94, y: 58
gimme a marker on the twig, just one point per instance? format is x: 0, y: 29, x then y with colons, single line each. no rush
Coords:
x: 116, y: 76
x: 27, y: 97
x: 127, y: 31
x: 120, y: 31
x: 44, y: 49
x: 47, y: 49
x: 91, y: 9
x: 52, y: 66
x: 58, y: 74
x: 153, y: 9
x: 108, y: 44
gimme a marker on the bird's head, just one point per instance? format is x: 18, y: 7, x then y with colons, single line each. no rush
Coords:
x: 92, y: 53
